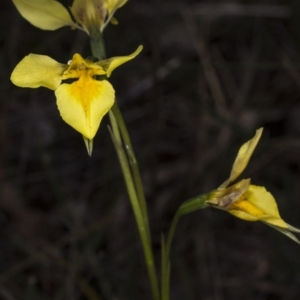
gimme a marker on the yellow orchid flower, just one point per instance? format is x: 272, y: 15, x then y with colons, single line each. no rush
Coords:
x: 90, y: 15
x: 82, y: 103
x: 246, y: 201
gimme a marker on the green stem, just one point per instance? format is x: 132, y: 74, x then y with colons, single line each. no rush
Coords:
x: 185, y: 208
x: 174, y: 223
x: 133, y: 163
x: 136, y: 207
x: 165, y: 267
x: 133, y: 181
x: 97, y: 44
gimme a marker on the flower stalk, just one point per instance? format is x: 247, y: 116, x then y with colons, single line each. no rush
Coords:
x: 97, y: 44
x: 131, y: 174
x: 133, y: 163
x: 186, y: 207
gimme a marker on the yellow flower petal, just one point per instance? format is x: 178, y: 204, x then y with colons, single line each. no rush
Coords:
x: 35, y: 70
x: 114, y: 21
x: 44, y: 14
x: 113, y: 5
x: 110, y: 64
x: 243, y: 157
x: 257, y: 204
x: 264, y: 200
x: 83, y: 103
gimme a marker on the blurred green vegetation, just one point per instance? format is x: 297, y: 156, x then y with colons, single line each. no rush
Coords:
x: 211, y: 73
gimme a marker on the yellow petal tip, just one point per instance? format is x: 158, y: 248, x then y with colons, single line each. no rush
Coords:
x: 243, y: 157
x: 112, y: 63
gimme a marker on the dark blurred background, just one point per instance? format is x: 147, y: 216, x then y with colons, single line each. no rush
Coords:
x: 210, y: 74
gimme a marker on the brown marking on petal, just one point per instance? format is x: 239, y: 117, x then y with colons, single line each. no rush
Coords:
x: 229, y: 199
x: 233, y: 193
